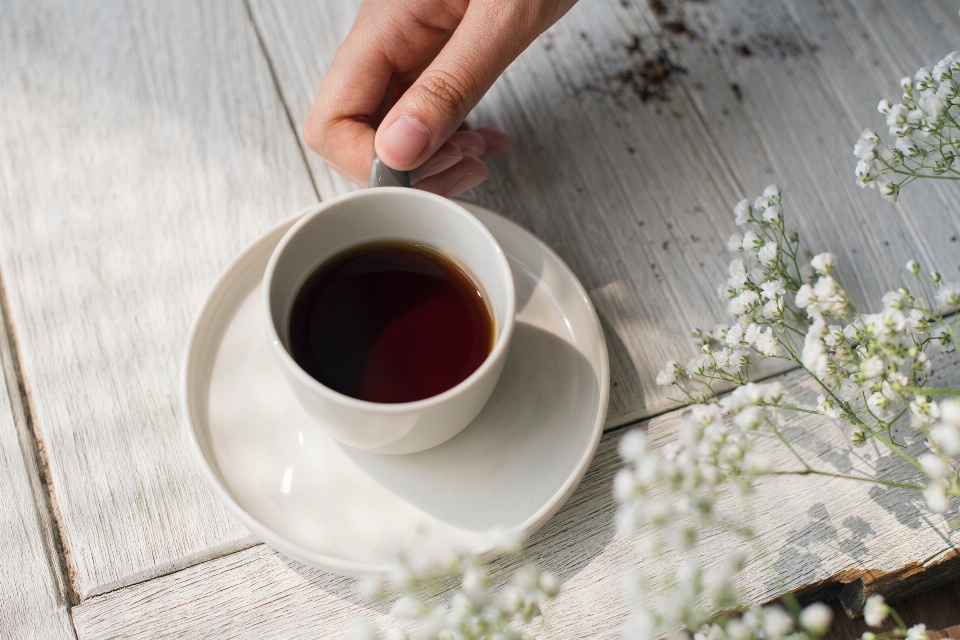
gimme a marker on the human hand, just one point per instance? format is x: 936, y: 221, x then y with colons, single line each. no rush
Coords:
x: 405, y: 79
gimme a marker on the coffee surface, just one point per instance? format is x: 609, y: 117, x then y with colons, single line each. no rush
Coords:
x: 390, y: 322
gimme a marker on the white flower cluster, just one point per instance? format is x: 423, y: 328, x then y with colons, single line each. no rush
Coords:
x: 926, y: 130
x: 474, y: 610
x: 772, y: 622
x: 709, y: 453
x: 698, y: 606
x: 942, y: 464
x: 873, y: 366
x: 756, y: 296
x: 873, y: 369
x: 876, y: 610
x: 692, y: 600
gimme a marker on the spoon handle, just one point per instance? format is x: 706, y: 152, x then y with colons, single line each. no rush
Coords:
x: 383, y: 176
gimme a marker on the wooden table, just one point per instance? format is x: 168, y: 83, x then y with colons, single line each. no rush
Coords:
x: 144, y: 144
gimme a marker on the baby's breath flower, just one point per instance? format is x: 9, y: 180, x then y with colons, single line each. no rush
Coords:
x: 814, y: 355
x: 875, y: 611
x: 948, y: 297
x: 907, y: 147
x: 827, y: 406
x: 889, y: 190
x: 946, y: 433
x: 877, y: 402
x: 923, y: 413
x: 866, y: 147
x: 743, y: 304
x: 768, y: 254
x: 924, y: 126
x: 816, y: 618
x: 936, y: 496
x: 823, y: 263
x: 742, y: 212
x: 668, y: 375
x: 917, y: 632
x: 871, y: 366
x: 804, y: 297
x: 751, y: 241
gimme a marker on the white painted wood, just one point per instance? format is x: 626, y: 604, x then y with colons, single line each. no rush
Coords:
x: 31, y: 606
x: 810, y: 529
x: 635, y: 195
x: 144, y: 146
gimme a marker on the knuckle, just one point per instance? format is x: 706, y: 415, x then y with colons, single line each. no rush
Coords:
x: 314, y: 133
x: 446, y: 90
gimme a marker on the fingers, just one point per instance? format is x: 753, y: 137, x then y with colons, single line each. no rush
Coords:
x: 469, y: 142
x: 458, y: 165
x: 466, y: 174
x: 446, y: 156
x: 489, y: 37
x: 496, y: 142
x: 368, y: 71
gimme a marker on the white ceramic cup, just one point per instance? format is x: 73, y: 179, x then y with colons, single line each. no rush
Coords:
x: 389, y: 213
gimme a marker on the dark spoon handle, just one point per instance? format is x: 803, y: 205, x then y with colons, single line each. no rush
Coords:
x: 383, y: 176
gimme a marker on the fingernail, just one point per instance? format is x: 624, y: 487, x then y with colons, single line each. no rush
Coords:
x: 466, y: 183
x: 403, y: 141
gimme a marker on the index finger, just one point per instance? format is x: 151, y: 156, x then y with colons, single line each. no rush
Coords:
x: 341, y: 124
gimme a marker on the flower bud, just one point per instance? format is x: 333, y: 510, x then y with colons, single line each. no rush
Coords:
x: 697, y: 333
x: 868, y: 635
x: 913, y: 268
x: 934, y: 277
x: 706, y: 349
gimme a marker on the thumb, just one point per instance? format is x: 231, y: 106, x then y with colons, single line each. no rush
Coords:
x: 488, y: 39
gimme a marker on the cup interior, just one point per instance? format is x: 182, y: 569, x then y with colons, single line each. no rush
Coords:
x: 388, y: 214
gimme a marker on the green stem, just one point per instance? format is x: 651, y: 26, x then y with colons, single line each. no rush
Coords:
x: 843, y: 476
x: 931, y: 392
x: 789, y: 408
x: 796, y: 455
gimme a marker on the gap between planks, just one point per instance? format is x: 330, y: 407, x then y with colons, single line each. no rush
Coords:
x: 286, y: 108
x: 34, y: 459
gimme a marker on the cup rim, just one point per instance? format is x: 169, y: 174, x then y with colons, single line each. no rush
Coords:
x: 499, y: 346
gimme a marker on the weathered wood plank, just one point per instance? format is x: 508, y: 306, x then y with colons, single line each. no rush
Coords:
x: 630, y: 176
x: 144, y: 146
x: 811, y: 531
x: 31, y: 604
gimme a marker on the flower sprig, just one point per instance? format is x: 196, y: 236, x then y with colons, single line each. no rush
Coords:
x: 474, y: 611
x: 873, y: 370
x: 876, y: 611
x: 925, y: 125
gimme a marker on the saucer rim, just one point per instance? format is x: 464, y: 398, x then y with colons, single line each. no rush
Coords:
x: 323, y: 561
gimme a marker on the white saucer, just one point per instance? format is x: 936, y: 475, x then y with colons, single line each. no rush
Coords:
x: 338, y: 508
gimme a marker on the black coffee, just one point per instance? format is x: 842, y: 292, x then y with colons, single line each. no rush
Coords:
x: 390, y: 322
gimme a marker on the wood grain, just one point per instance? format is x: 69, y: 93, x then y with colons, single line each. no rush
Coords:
x: 823, y: 531
x: 630, y: 177
x: 31, y: 604
x: 144, y: 146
